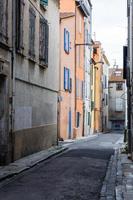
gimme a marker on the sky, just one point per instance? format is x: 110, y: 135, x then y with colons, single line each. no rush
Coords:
x: 109, y: 23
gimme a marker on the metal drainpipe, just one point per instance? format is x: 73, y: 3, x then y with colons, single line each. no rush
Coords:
x: 75, y: 61
x: 130, y: 89
x: 13, y: 74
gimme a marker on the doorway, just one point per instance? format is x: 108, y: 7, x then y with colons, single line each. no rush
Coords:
x: 3, y: 119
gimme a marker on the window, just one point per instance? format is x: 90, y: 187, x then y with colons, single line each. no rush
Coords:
x: 32, y: 17
x: 95, y: 50
x: 118, y: 73
x: 70, y: 89
x: 105, y: 81
x: 67, y: 80
x: 106, y: 99
x: 66, y: 41
x: 44, y: 2
x: 119, y: 86
x: 119, y: 105
x: 79, y: 88
x: 92, y: 105
x: 88, y: 118
x: 78, y: 120
x: 3, y: 21
x: 44, y: 37
x: 19, y: 24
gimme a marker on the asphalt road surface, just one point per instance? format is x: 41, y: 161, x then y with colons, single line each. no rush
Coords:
x: 77, y: 174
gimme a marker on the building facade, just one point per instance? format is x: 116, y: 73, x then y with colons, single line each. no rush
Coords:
x: 117, y: 94
x: 87, y: 83
x: 29, y: 60
x: 98, y: 87
x: 75, y: 22
x: 105, y: 98
x: 66, y: 99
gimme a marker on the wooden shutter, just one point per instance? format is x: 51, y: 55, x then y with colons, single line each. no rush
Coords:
x: 19, y: 24
x: 66, y: 41
x: 44, y: 41
x: 78, y: 119
x: 3, y: 20
x: 32, y: 17
x: 65, y: 78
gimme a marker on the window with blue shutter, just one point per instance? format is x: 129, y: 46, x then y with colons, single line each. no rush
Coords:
x: 44, y: 2
x: 66, y: 41
x: 67, y: 79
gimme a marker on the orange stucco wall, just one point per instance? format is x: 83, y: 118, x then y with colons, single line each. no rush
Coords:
x: 98, y: 89
x: 67, y: 60
x: 67, y: 6
x: 75, y: 25
x: 80, y: 64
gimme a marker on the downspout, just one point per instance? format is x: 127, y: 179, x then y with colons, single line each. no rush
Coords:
x: 75, y: 62
x: 13, y: 61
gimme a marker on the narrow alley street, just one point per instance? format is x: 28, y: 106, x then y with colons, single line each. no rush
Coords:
x: 76, y: 174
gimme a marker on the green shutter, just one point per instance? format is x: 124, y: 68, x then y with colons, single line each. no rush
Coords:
x: 44, y: 2
x: 92, y: 105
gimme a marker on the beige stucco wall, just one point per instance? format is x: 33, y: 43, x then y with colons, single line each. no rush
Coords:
x: 37, y: 87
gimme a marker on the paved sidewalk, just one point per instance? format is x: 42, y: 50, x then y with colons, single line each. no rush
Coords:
x: 118, y: 183
x: 124, y: 184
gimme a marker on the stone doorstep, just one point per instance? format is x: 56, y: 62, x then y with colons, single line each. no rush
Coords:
x: 28, y: 162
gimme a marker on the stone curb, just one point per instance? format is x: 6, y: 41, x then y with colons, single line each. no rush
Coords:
x: 108, y: 188
x: 27, y: 162
x: 119, y: 181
